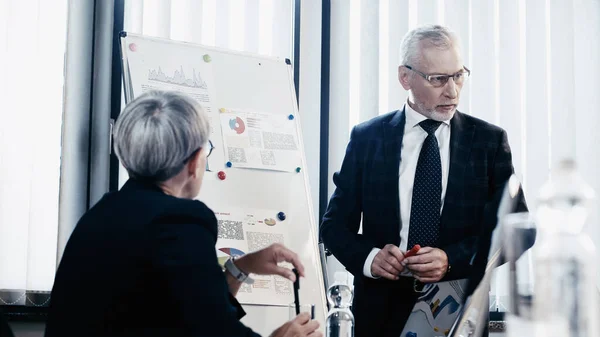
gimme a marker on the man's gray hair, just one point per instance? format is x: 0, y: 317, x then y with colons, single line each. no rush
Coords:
x: 436, y: 35
x: 158, y: 132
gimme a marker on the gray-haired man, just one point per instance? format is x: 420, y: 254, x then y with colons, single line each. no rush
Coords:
x: 419, y: 175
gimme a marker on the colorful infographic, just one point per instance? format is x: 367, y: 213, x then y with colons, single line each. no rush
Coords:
x: 237, y: 124
x: 225, y: 253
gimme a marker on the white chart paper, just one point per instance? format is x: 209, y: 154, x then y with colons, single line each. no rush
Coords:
x: 244, y: 231
x: 260, y: 140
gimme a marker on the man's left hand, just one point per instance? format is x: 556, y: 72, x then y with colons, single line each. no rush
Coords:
x: 428, y: 265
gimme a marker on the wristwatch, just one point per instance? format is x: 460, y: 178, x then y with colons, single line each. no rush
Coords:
x: 236, y: 272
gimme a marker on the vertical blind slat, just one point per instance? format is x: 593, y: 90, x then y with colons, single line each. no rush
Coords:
x: 195, y: 17
x: 222, y: 23
x: 483, y: 55
x: 397, y: 19
x: 509, y: 86
x: 427, y: 12
x: 45, y: 178
x: 586, y: 103
x: 265, y: 28
x: 562, y: 134
x: 14, y: 220
x: 354, y: 57
x: 507, y: 99
x: 237, y: 25
x: 282, y: 28
x: 339, y: 89
x: 252, y: 24
x: 181, y: 20
x: 536, y: 101
x: 310, y: 93
x: 369, y: 62
x: 456, y: 17
x: 157, y: 18
x: 209, y: 23
x: 134, y: 16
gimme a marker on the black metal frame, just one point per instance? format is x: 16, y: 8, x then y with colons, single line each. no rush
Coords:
x: 297, y: 13
x: 324, y: 141
x: 116, y: 87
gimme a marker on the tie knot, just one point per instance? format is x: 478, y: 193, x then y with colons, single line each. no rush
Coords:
x: 429, y: 125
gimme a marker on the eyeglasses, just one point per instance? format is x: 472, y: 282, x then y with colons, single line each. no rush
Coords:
x: 439, y: 80
x: 210, y: 149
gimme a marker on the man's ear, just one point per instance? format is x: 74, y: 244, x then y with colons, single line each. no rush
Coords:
x: 404, y: 77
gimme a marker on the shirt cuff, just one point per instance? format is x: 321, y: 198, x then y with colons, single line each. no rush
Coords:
x: 369, y: 262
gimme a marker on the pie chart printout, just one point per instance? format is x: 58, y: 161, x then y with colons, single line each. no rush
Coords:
x: 225, y: 253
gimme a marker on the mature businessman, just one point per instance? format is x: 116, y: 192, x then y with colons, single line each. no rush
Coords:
x: 418, y: 175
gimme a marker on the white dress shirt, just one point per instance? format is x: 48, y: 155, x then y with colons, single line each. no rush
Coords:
x: 412, y: 142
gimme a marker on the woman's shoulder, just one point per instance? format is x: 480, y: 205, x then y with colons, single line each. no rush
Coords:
x: 185, y: 211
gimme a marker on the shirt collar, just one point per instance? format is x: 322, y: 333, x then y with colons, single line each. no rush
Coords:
x: 413, y: 118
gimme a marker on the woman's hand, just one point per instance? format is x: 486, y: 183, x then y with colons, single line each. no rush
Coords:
x: 301, y: 326
x: 265, y: 262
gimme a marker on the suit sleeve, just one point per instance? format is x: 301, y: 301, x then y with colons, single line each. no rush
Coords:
x: 339, y: 229
x: 186, y: 260
x: 461, y: 255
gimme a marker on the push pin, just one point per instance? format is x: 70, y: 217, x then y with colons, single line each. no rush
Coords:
x: 281, y: 216
x: 206, y: 58
x: 298, y: 169
x: 228, y: 164
x: 291, y: 117
x: 221, y: 175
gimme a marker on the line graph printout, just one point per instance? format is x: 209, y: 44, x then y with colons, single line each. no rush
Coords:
x: 244, y: 231
x: 190, y: 82
x: 260, y: 140
x: 190, y: 73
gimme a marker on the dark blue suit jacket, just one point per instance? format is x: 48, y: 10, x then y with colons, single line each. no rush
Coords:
x: 367, y: 187
x: 142, y: 263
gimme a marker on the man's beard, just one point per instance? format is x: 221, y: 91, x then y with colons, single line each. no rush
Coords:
x: 433, y: 114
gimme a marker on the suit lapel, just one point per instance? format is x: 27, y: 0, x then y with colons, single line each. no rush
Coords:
x: 461, y: 139
x: 393, y: 132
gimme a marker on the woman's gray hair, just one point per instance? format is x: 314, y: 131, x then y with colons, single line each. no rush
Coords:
x: 158, y: 132
x: 436, y: 35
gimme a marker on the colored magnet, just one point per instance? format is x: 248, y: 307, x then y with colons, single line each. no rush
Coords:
x: 291, y: 117
x: 206, y: 58
x: 298, y: 170
x: 221, y: 175
x: 132, y: 47
x: 229, y: 164
x: 281, y: 216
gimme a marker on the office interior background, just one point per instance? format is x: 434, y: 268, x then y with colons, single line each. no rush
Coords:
x: 535, y: 68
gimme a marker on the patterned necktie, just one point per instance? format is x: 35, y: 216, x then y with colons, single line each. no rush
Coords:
x: 427, y: 191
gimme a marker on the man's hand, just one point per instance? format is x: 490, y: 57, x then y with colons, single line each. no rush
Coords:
x: 428, y: 265
x: 264, y: 262
x: 387, y: 263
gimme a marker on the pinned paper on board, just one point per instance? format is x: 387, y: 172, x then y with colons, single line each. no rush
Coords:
x: 189, y: 76
x: 260, y: 140
x: 245, y: 231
